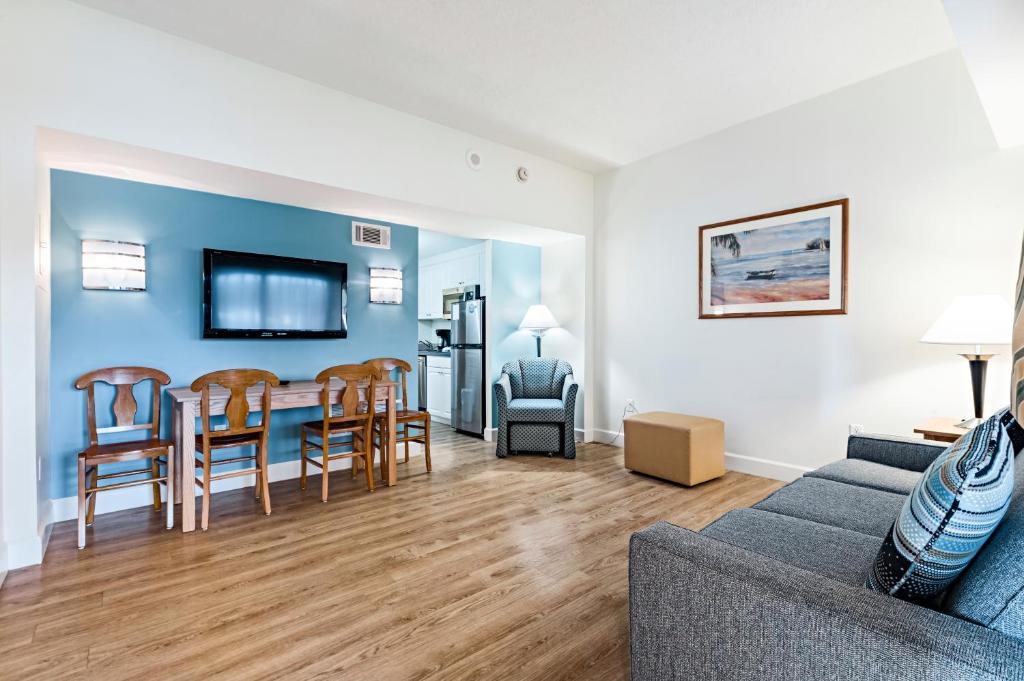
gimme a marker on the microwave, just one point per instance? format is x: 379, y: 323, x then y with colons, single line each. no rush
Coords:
x: 455, y: 295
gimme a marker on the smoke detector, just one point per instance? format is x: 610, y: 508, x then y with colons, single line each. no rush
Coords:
x: 522, y: 174
x: 473, y: 159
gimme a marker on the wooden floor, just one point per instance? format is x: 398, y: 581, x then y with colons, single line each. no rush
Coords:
x: 485, y: 569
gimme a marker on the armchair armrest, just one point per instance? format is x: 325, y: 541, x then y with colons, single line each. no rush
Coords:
x: 703, y: 609
x: 503, y: 391
x: 901, y: 452
x: 569, y: 388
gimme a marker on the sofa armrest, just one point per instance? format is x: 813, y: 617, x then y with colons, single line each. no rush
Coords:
x: 703, y: 609
x: 900, y: 452
x: 569, y: 388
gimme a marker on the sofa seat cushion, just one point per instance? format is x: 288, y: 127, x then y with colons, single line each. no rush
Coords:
x: 832, y: 552
x: 536, y: 410
x: 861, y: 509
x: 869, y: 474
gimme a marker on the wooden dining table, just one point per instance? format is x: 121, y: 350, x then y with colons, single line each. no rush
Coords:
x: 293, y: 395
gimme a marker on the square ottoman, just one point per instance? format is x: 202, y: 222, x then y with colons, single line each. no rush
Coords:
x: 676, y: 447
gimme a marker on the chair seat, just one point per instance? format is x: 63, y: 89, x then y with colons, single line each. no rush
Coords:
x: 404, y: 415
x: 536, y: 409
x: 236, y: 440
x: 117, y: 449
x: 340, y: 424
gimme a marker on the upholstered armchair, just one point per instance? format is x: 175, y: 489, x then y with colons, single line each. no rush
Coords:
x: 536, y: 407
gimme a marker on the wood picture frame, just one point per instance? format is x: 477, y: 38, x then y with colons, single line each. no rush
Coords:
x: 790, y: 266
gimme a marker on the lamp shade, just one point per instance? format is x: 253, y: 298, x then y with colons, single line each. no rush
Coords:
x: 972, y: 320
x: 538, y: 319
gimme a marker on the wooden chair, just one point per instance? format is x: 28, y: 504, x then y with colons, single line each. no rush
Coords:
x: 238, y: 432
x: 351, y: 428
x: 125, y: 408
x: 412, y: 426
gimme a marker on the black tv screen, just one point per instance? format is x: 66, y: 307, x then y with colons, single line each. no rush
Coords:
x: 248, y: 295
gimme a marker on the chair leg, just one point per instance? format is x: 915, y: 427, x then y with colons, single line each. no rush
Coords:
x: 302, y: 468
x: 326, y: 469
x: 406, y: 435
x: 204, y: 522
x: 81, y: 502
x: 368, y: 455
x: 169, y: 485
x: 355, y: 460
x: 91, y: 515
x: 265, y: 478
x: 426, y: 443
x: 154, y: 466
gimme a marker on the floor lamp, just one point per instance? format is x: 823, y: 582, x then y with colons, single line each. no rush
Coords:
x: 537, y: 320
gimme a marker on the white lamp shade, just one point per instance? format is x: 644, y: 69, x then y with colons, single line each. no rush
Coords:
x: 538, y: 318
x: 973, y: 320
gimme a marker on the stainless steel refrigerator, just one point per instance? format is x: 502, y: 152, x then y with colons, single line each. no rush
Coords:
x: 469, y: 394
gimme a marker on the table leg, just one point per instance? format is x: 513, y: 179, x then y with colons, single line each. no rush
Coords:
x: 392, y: 438
x: 175, y: 484
x: 188, y: 466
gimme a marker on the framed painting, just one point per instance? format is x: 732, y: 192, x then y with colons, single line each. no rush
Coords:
x: 790, y: 262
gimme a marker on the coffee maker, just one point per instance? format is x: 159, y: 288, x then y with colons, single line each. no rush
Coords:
x: 445, y: 337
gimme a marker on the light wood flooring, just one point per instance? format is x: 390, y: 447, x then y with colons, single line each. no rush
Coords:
x: 485, y: 569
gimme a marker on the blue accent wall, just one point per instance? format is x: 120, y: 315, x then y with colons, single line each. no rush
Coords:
x: 515, y: 286
x: 162, y: 326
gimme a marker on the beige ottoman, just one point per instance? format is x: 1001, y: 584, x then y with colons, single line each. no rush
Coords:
x: 676, y: 447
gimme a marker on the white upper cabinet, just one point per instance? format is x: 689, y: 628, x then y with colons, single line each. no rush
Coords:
x: 462, y: 267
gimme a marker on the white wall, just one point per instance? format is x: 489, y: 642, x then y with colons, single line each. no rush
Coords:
x: 69, y: 68
x: 563, y: 290
x: 936, y: 211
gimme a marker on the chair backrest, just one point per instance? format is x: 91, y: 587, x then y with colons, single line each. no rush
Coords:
x: 125, y: 407
x: 537, y: 378
x: 351, y: 376
x: 238, y: 382
x: 386, y: 365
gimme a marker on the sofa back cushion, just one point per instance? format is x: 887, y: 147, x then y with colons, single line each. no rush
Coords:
x: 953, y: 510
x: 540, y: 378
x: 990, y: 592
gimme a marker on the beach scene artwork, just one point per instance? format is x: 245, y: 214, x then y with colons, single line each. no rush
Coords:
x: 779, y: 264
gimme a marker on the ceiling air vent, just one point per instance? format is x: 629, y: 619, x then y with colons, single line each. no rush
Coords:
x: 374, y: 236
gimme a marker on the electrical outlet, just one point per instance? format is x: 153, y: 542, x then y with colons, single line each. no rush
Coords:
x: 856, y: 428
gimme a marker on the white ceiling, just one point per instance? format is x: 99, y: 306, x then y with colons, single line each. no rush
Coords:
x: 592, y: 83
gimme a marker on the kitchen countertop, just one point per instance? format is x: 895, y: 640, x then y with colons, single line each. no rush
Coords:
x: 433, y: 353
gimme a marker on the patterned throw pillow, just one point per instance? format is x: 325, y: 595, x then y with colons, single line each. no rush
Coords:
x: 952, y: 511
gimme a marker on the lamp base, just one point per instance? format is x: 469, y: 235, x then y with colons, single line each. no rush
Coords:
x: 979, y: 363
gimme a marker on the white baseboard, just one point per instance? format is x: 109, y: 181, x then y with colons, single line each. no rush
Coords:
x: 66, y: 508
x: 24, y: 553
x: 766, y: 468
x: 3, y: 563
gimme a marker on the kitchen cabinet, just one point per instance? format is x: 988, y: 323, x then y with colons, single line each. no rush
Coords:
x: 439, y: 388
x: 461, y: 267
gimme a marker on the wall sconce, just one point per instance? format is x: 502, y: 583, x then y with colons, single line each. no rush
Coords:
x: 386, y: 285
x: 113, y: 265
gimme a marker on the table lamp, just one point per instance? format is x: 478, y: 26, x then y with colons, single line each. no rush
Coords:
x: 537, y: 320
x: 973, y: 320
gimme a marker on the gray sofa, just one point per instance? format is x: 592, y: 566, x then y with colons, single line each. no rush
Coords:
x: 777, y: 591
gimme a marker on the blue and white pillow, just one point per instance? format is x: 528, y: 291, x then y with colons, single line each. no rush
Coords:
x: 952, y: 511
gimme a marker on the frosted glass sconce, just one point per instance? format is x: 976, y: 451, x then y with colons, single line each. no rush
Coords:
x: 113, y: 265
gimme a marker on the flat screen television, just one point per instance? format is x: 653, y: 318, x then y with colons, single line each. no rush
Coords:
x: 248, y: 295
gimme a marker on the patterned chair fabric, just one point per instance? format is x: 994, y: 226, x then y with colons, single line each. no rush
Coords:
x: 535, y: 396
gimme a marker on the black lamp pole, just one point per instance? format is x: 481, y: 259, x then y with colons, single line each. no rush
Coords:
x: 979, y: 365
